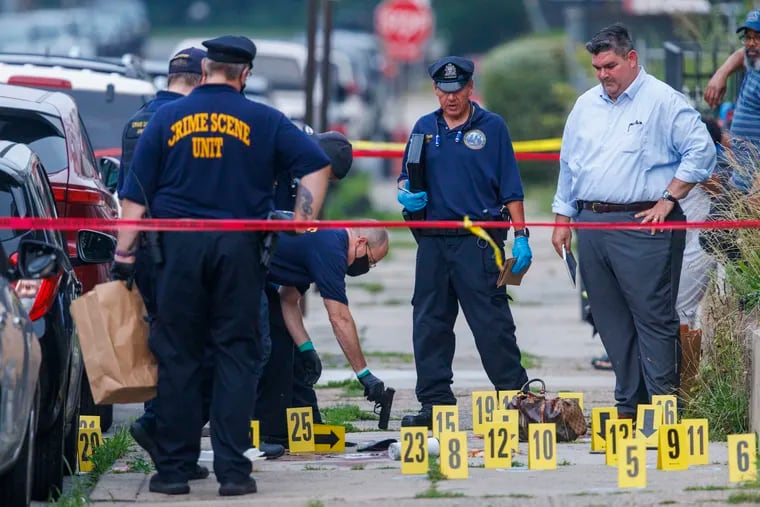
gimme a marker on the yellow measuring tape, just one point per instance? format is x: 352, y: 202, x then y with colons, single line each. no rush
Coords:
x: 482, y: 234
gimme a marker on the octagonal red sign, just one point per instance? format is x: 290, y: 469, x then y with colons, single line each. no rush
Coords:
x: 404, y: 26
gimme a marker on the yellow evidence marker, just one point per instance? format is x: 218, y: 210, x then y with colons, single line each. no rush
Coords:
x: 542, y: 446
x: 88, y: 439
x: 672, y: 453
x: 599, y: 421
x: 697, y: 434
x: 329, y: 438
x: 669, y: 405
x: 617, y: 431
x: 648, y: 419
x: 255, y: 434
x: 300, y: 429
x: 414, y: 450
x: 632, y: 463
x: 498, y: 445
x: 742, y: 461
x: 511, y: 418
x: 453, y: 460
x: 483, y: 405
x: 445, y: 418
x: 506, y: 396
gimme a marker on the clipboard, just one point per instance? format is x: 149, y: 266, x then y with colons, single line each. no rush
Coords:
x: 570, y: 263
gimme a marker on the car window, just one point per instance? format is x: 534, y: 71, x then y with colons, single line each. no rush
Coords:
x: 88, y: 157
x: 283, y: 73
x: 14, y: 203
x: 105, y: 114
x: 39, y: 133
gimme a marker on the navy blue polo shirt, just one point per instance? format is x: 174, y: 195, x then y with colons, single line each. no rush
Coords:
x: 471, y: 177
x: 319, y: 257
x: 135, y: 127
x: 215, y: 154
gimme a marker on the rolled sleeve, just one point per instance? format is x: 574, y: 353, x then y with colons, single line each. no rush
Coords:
x: 692, y: 141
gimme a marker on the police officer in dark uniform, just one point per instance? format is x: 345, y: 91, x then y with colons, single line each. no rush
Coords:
x: 212, y: 155
x: 184, y: 75
x: 323, y: 257
x: 470, y: 170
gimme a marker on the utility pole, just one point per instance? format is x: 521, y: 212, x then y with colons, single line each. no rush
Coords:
x: 327, y: 21
x: 311, y: 42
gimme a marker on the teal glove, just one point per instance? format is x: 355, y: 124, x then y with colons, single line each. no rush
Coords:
x: 521, y: 251
x: 412, y: 201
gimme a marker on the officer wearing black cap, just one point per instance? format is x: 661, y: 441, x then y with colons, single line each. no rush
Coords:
x: 184, y: 74
x: 470, y: 171
x: 212, y: 155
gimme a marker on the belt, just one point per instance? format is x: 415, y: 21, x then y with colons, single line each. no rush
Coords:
x: 608, y: 207
x: 444, y: 232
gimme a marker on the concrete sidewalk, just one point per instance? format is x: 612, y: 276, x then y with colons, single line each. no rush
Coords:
x: 546, y: 309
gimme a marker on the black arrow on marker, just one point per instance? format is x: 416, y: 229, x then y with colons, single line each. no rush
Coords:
x: 327, y: 439
x: 648, y: 427
x: 603, y: 418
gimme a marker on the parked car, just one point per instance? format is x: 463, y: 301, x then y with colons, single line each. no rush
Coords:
x: 42, y: 298
x: 49, y: 124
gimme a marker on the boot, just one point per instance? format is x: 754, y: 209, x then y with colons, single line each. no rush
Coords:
x: 691, y: 348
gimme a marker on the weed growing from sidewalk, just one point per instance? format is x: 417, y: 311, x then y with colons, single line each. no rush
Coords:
x: 140, y: 464
x: 402, y: 357
x: 102, y: 459
x: 352, y: 388
x: 315, y: 503
x: 341, y: 415
x: 707, y: 488
x: 743, y: 497
x: 357, y: 467
x: 529, y: 361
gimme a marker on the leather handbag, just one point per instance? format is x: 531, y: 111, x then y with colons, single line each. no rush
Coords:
x: 540, y: 408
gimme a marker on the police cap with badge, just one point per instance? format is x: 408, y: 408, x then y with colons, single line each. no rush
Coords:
x: 231, y: 49
x: 451, y: 73
x: 187, y: 61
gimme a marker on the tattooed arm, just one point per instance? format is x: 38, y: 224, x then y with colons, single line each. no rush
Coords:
x: 311, y: 195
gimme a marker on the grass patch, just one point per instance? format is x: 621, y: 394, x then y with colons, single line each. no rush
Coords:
x: 352, y: 388
x: 371, y: 287
x: 519, y: 495
x: 139, y: 464
x: 743, y: 497
x: 342, y: 415
x: 357, y: 467
x: 102, y: 458
x: 707, y: 488
x: 541, y: 195
x: 564, y: 463
x: 313, y: 468
x: 434, y: 470
x: 433, y: 492
x: 668, y: 502
x: 403, y: 357
x: 529, y: 361
x: 518, y: 464
x: 315, y: 503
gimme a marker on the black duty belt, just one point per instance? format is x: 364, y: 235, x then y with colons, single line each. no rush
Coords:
x: 608, y: 207
x: 444, y: 232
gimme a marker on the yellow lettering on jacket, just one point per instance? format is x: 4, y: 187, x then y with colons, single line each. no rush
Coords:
x: 232, y: 126
x: 187, y: 125
x: 207, y: 147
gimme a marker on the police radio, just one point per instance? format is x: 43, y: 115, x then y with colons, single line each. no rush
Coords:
x: 415, y: 168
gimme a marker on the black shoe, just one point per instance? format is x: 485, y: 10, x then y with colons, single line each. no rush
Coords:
x: 168, y: 488
x: 143, y: 438
x: 271, y: 451
x: 238, y: 488
x: 196, y: 472
x: 423, y: 418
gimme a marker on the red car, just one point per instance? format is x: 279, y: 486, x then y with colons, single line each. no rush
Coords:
x: 49, y: 123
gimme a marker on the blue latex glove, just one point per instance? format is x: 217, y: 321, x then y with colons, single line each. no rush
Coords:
x: 412, y: 201
x: 521, y: 251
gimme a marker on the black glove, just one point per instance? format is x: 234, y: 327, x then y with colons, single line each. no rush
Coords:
x: 311, y: 366
x: 124, y: 271
x: 373, y: 387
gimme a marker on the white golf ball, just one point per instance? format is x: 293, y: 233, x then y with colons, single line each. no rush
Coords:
x: 434, y: 447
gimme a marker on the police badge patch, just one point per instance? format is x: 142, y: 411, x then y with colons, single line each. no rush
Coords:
x: 475, y: 139
x: 450, y: 71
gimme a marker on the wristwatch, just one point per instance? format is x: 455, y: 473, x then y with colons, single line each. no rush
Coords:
x: 668, y: 196
x: 522, y: 232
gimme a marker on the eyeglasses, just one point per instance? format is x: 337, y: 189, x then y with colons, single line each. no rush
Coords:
x: 371, y: 257
x: 752, y: 39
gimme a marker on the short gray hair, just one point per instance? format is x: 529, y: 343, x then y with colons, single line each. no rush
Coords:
x: 188, y: 78
x: 614, y: 37
x: 230, y: 70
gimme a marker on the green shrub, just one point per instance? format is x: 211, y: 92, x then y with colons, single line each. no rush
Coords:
x: 525, y: 81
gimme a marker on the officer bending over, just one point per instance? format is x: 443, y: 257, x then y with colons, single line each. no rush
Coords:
x: 323, y: 257
x: 212, y: 155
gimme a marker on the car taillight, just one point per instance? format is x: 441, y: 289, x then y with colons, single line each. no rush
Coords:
x: 44, y: 82
x: 78, y: 196
x: 36, y: 296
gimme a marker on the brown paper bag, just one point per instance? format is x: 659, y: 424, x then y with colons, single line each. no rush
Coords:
x: 113, y: 335
x: 506, y: 277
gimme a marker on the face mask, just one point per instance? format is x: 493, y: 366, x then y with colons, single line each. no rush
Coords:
x: 360, y: 265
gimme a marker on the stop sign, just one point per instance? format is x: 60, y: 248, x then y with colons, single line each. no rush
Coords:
x: 404, y: 26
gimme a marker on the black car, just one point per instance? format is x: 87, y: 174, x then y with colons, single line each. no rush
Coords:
x: 26, y: 192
